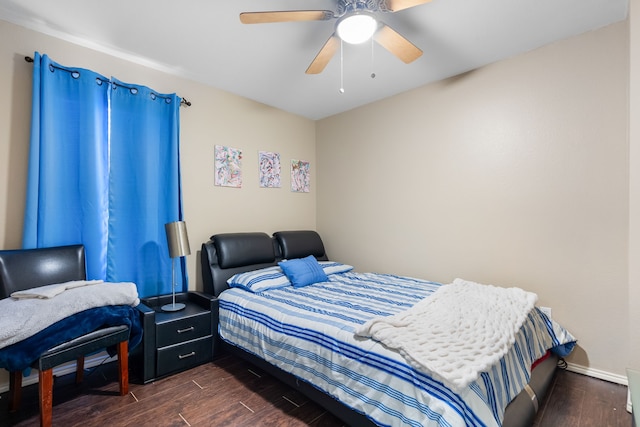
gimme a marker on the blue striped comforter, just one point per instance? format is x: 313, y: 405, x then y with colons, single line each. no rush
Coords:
x: 309, y: 332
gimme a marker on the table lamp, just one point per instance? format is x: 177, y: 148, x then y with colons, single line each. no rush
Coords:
x: 178, y: 243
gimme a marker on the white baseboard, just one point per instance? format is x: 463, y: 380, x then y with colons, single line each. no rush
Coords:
x: 597, y: 373
x: 67, y: 368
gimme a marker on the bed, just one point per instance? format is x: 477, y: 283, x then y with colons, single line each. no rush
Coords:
x: 305, y: 336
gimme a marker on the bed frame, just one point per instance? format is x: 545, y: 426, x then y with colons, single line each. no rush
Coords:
x: 230, y: 253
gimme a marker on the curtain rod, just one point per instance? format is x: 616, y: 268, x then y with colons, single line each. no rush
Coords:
x: 183, y: 101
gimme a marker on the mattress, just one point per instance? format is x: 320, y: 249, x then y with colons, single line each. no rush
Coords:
x: 309, y: 332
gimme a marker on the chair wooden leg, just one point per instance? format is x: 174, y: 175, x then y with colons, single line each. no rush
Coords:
x: 15, y: 390
x: 79, y: 369
x: 123, y: 365
x: 45, y: 390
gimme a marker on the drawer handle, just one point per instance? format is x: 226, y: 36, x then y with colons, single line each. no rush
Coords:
x: 184, y: 356
x: 189, y: 329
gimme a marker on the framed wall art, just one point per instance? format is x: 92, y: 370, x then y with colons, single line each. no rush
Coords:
x: 300, y: 176
x: 269, y: 164
x: 228, y: 166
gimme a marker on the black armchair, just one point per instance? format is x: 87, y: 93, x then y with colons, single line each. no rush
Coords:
x: 29, y: 268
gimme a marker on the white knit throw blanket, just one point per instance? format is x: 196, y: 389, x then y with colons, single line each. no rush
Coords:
x: 456, y: 333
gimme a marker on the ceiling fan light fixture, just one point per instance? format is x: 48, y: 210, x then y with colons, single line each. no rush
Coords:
x: 356, y: 28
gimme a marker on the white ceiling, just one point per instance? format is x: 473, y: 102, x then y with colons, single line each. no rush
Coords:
x: 204, y: 40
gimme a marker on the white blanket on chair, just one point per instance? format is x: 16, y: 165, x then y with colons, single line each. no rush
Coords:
x: 50, y: 291
x: 21, y: 318
x: 458, y: 332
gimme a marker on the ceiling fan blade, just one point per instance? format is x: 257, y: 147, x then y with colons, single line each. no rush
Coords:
x: 285, y: 16
x: 324, y: 56
x: 388, y: 38
x: 396, y: 5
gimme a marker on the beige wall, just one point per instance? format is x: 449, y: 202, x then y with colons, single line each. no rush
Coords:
x: 634, y: 184
x: 515, y: 174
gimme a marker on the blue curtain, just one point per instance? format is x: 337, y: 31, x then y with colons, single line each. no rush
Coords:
x: 104, y: 171
x: 144, y: 186
x: 68, y: 164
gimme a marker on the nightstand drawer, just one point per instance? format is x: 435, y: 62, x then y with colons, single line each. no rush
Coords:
x: 184, y: 329
x: 183, y: 356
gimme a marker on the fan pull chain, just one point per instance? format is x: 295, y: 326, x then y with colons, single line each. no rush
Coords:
x: 373, y: 74
x: 341, y: 69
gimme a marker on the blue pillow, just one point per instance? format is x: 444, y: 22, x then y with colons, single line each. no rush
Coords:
x: 260, y: 280
x: 303, y: 271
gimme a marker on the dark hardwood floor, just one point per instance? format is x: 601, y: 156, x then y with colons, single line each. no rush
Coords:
x: 578, y: 400
x: 231, y: 392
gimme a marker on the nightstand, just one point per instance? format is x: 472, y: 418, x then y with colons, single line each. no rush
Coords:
x: 175, y: 341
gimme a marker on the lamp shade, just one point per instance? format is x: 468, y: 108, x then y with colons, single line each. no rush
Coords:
x: 177, y: 239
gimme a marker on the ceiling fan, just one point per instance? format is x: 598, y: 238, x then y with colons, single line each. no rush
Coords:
x: 356, y: 22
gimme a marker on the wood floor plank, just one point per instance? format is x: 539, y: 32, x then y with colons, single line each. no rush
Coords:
x: 166, y: 407
x: 565, y: 408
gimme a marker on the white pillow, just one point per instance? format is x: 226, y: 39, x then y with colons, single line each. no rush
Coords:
x: 260, y: 280
x: 332, y: 267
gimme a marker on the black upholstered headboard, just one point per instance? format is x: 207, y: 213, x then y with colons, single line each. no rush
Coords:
x: 227, y: 254
x: 299, y: 244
